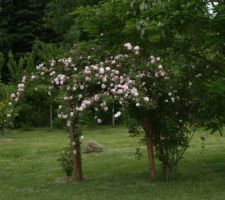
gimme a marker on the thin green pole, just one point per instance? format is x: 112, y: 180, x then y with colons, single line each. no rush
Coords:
x: 51, y: 124
x: 113, y: 117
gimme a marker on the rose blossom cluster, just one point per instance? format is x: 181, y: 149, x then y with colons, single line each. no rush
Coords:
x: 107, y: 81
x: 77, y: 85
x: 15, y: 97
x: 93, y: 86
x: 20, y: 88
x: 129, y: 47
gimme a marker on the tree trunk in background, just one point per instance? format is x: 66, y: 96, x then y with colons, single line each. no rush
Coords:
x: 2, y: 133
x: 77, y: 173
x: 170, y: 171
x: 150, y: 146
x: 2, y: 129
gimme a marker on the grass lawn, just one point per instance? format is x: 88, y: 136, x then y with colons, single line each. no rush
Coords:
x: 29, y: 169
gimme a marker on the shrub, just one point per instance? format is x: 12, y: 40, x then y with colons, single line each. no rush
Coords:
x: 65, y: 161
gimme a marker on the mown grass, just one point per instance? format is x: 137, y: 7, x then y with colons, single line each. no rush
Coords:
x: 29, y: 169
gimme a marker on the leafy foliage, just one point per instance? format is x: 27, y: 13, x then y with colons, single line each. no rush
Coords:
x: 65, y: 161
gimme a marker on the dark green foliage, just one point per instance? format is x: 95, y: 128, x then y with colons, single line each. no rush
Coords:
x: 6, y: 9
x: 5, y: 91
x: 2, y: 61
x: 104, y: 23
x: 3, y: 111
x: 172, y: 146
x: 42, y: 52
x: 135, y: 131
x: 57, y: 16
x: 65, y: 161
x: 188, y: 38
x: 138, y: 154
x: 15, y: 71
x: 21, y: 23
x: 58, y: 123
x: 34, y: 108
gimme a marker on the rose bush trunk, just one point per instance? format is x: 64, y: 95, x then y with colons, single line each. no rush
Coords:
x: 77, y: 173
x: 150, y: 146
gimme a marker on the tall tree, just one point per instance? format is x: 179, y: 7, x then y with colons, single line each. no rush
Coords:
x: 58, y: 18
x: 184, y: 33
x: 26, y: 24
x: 22, y: 23
x: 6, y: 10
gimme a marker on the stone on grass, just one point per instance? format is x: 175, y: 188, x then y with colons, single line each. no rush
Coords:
x: 92, y: 147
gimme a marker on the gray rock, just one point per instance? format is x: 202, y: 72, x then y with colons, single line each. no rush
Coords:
x: 92, y: 147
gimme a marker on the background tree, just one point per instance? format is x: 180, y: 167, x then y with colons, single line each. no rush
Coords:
x: 2, y: 61
x: 181, y: 33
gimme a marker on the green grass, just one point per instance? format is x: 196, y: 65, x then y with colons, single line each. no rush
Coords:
x: 29, y: 169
